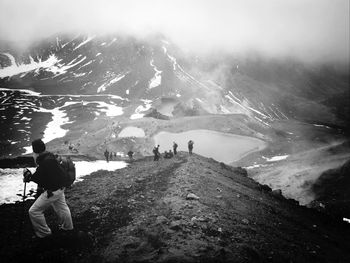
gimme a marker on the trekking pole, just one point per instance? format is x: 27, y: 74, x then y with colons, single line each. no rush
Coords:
x: 23, y: 210
x: 24, y: 192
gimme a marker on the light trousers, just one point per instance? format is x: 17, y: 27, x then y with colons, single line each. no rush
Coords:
x: 58, y: 202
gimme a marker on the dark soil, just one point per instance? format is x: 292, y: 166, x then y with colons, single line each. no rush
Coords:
x: 184, y: 209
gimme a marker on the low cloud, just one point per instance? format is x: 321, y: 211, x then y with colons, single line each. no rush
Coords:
x: 308, y: 29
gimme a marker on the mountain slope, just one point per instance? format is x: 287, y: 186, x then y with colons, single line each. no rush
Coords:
x: 68, y: 78
x: 188, y: 209
x: 153, y: 68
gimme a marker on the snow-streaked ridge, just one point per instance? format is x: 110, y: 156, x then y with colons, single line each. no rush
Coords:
x: 16, y: 69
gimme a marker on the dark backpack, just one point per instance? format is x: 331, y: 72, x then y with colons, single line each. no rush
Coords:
x: 68, y: 168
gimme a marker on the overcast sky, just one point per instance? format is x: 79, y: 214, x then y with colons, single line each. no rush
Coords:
x: 309, y: 29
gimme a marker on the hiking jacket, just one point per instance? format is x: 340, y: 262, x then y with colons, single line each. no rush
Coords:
x: 49, y: 174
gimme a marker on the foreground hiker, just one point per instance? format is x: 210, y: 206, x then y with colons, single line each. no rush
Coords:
x: 50, y: 177
x: 190, y: 146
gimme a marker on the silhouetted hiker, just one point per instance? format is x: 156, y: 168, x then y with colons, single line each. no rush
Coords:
x: 175, y: 148
x: 190, y: 146
x: 166, y: 155
x: 111, y: 156
x: 51, y: 177
x: 130, y: 154
x: 106, y: 155
x: 171, y: 155
x: 156, y: 153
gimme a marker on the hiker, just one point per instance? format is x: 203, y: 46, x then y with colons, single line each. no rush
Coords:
x: 106, y: 155
x: 156, y: 153
x: 50, y: 176
x: 190, y: 146
x: 130, y: 154
x: 175, y: 147
x: 166, y: 155
x: 170, y: 153
x: 111, y: 156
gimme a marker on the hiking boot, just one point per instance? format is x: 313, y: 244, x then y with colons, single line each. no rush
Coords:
x: 41, y: 243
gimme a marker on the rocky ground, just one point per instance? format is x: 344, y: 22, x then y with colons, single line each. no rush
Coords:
x: 184, y: 209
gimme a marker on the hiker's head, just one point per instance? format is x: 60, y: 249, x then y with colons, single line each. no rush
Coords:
x: 38, y: 147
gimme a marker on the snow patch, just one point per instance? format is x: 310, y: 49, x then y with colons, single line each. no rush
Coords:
x: 84, y: 42
x: 141, y: 108
x: 113, y: 40
x: 255, y: 166
x: 276, y: 158
x: 157, y: 79
x: 112, y: 81
x: 62, y: 69
x: 53, y: 129
x: 323, y: 126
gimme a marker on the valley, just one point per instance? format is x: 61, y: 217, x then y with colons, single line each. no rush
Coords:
x: 280, y: 128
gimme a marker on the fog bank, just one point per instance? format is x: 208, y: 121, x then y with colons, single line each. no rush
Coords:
x: 306, y: 29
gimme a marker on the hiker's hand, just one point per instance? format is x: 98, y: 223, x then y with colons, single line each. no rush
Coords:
x: 26, y: 175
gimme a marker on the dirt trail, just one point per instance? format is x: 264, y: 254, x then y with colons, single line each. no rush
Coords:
x: 184, y: 209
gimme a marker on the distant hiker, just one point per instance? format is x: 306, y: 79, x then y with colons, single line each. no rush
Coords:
x: 130, y: 154
x: 175, y: 148
x: 171, y: 155
x: 106, y: 155
x: 50, y: 176
x: 190, y: 146
x: 156, y: 153
x: 111, y: 156
x: 115, y: 155
x: 166, y: 155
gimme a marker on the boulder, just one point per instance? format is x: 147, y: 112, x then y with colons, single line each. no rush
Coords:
x: 192, y: 197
